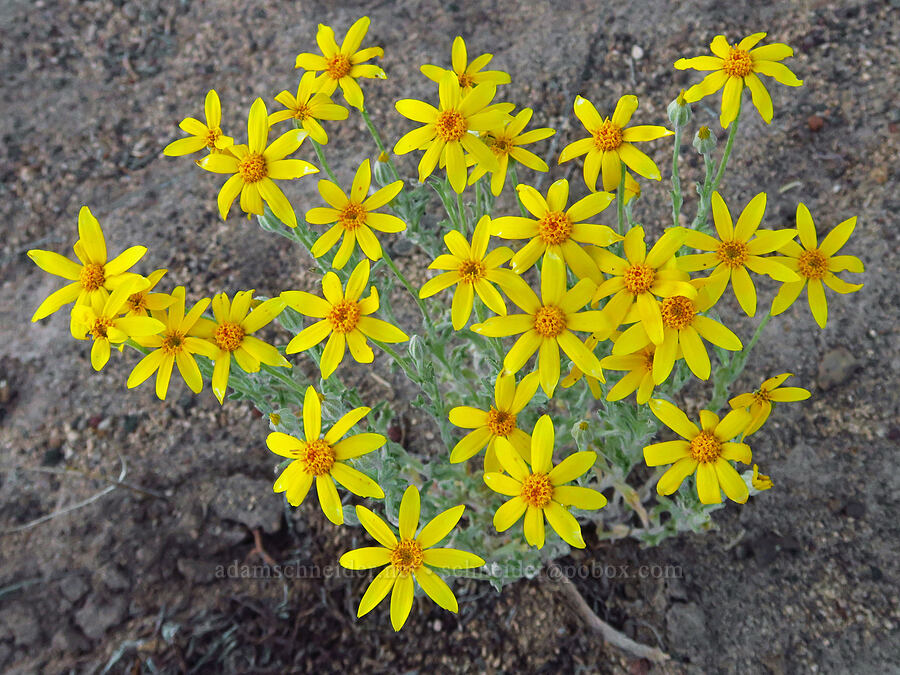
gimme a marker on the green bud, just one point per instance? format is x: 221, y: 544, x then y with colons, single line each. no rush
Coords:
x: 704, y: 140
x: 680, y: 111
x: 382, y: 170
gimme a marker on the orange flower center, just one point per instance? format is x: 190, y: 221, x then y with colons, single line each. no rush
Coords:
x: 648, y: 359
x: 92, y: 277
x: 338, y: 66
x: 408, y: 556
x: 500, y: 422
x: 229, y: 336
x: 253, y: 168
x: 101, y: 323
x: 352, y: 216
x: 212, y: 135
x: 450, y: 126
x: 301, y: 112
x: 639, y: 278
x: 344, y: 316
x: 471, y: 271
x: 554, y: 228
x: 705, y: 447
x: 738, y: 63
x: 762, y: 395
x: 732, y: 253
x: 173, y: 342
x: 465, y: 80
x: 812, y: 264
x: 318, y: 456
x: 678, y: 312
x: 537, y: 490
x: 500, y: 145
x: 549, y: 321
x: 137, y: 302
x: 607, y: 136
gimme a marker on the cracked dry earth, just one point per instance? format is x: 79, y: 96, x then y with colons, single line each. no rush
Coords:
x: 803, y: 578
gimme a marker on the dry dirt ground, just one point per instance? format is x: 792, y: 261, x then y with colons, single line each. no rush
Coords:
x: 804, y: 578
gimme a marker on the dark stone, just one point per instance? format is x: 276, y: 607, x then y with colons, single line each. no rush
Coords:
x: 100, y: 614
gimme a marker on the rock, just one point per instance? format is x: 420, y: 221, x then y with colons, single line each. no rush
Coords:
x: 686, y: 628
x: 637, y: 52
x: 73, y: 588
x: 248, y: 501
x: 855, y: 509
x: 100, y: 614
x: 70, y: 640
x: 770, y: 546
x: 815, y: 123
x: 114, y: 578
x: 836, y: 367
x: 22, y: 624
x: 5, y: 653
x: 197, y: 571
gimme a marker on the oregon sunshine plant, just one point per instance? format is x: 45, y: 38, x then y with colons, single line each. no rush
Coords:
x: 548, y: 282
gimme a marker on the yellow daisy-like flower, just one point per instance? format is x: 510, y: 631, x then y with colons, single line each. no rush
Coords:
x: 506, y: 143
x: 345, y: 64
x: 639, y: 365
x: 101, y: 320
x: 637, y: 279
x: 738, y: 248
x: 467, y: 74
x: 547, y: 325
x: 540, y: 490
x: 736, y: 66
x: 324, y: 458
x: 308, y: 107
x: 498, y: 422
x: 759, y: 402
x: 557, y: 230
x: 141, y: 303
x: 174, y: 345
x: 445, y: 135
x: 94, y: 278
x: 343, y: 318
x: 611, y: 144
x: 472, y: 268
x: 816, y: 264
x: 255, y: 166
x: 575, y: 373
x: 353, y: 217
x: 202, y: 135
x: 706, y: 451
x: 760, y: 481
x: 231, y: 333
x: 684, y: 330
x: 412, y: 556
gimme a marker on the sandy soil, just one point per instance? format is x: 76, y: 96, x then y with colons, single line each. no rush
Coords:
x: 804, y: 578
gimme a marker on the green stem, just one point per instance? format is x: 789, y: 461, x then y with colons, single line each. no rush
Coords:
x: 321, y: 156
x: 732, y: 132
x: 412, y: 291
x: 514, y: 177
x: 620, y: 200
x: 677, y: 199
x: 463, y: 220
x: 726, y: 375
x: 441, y: 188
x: 495, y: 342
x: 710, y: 183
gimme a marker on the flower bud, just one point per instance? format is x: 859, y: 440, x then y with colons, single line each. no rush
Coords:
x: 680, y: 111
x: 382, y: 170
x: 704, y: 140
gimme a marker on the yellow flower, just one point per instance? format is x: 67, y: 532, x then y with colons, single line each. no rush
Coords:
x: 760, y: 481
x: 684, y: 329
x: 506, y: 141
x: 101, y: 319
x: 706, y: 451
x: 639, y: 365
x: 324, y: 458
x: 540, y: 490
x: 345, y: 64
x: 816, y: 266
x: 175, y: 344
x: 353, y: 217
x: 343, y: 318
x: 255, y: 166
x: 575, y: 373
x: 759, y: 403
x: 445, y: 134
x: 467, y: 74
x: 140, y: 303
x: 409, y: 557
x: 498, y: 422
x: 94, y: 278
x: 639, y: 277
x: 231, y: 335
x: 556, y: 230
x: 308, y: 107
x: 737, y: 250
x: 473, y: 269
x: 202, y: 135
x: 736, y: 66
x: 547, y: 326
x: 610, y: 144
